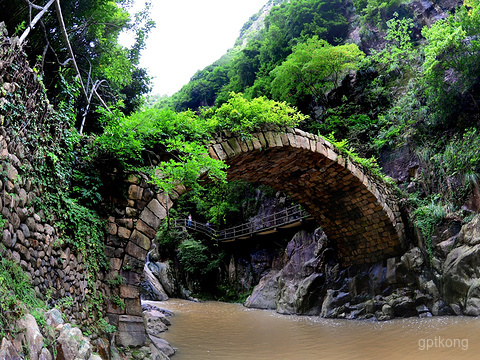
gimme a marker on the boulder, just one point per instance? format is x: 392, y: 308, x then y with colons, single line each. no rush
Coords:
x: 472, y: 304
x: 307, y: 297
x: 460, y: 270
x: 470, y: 232
x: 33, y: 338
x: 413, y: 260
x: 440, y: 308
x: 162, y: 345
x: 8, y: 351
x: 388, y: 311
x: 53, y: 318
x: 72, y: 345
x: 264, y: 295
x: 333, y: 300
x: 45, y: 355
x: 163, y: 273
x: 156, y: 354
x: 153, y: 322
x: 152, y: 286
x: 287, y: 296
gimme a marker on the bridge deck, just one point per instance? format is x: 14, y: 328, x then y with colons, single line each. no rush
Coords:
x: 287, y: 218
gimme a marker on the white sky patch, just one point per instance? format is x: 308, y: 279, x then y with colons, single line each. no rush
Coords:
x: 190, y: 35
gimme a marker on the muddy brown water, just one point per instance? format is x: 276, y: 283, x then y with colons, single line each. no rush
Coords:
x: 216, y: 330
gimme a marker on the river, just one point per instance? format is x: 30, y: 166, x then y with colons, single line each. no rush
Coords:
x: 216, y: 330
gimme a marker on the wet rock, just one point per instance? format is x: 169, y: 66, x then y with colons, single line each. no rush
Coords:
x: 287, y: 295
x: 460, y: 271
x: 403, y: 306
x: 370, y: 306
x: 264, y: 295
x: 163, y: 346
x: 308, y: 299
x: 388, y: 311
x: 153, y: 322
x: 413, y: 260
x: 163, y: 273
x: 333, y: 300
x: 472, y: 304
x: 152, y: 286
x: 156, y: 354
x: 440, y: 308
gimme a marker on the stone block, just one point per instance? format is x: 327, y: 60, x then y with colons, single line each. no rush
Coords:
x: 220, y: 153
x: 129, y: 292
x: 136, y: 251
x: 141, y: 240
x: 135, y: 192
x: 115, y: 264
x: 131, y: 278
x: 124, y: 233
x: 149, y: 218
x: 112, y: 228
x: 133, y: 264
x: 145, y: 229
x: 157, y: 209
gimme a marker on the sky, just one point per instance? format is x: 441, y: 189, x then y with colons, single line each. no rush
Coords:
x: 190, y: 35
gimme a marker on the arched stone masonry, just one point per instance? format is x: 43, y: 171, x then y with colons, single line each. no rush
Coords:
x: 356, y: 209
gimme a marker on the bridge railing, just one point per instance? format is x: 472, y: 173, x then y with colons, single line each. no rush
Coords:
x: 271, y: 221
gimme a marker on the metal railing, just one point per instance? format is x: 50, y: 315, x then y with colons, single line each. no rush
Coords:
x: 276, y: 220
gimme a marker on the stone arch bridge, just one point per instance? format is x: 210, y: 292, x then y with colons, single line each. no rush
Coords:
x: 356, y: 209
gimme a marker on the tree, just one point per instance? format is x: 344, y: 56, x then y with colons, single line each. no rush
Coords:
x: 451, y: 67
x: 85, y: 34
x: 313, y: 69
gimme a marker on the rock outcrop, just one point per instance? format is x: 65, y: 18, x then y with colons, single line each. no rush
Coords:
x: 310, y: 281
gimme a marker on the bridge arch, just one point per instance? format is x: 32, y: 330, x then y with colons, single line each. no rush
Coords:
x: 357, y: 209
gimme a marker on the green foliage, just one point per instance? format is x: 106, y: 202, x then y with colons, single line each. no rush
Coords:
x: 369, y: 164
x: 247, y: 68
x: 224, y: 204
x: 93, y: 28
x: 452, y: 169
x: 313, y: 68
x: 243, y: 116
x: 376, y: 12
x: 167, y: 240
x: 452, y: 59
x: 17, y: 295
x: 196, y: 258
x: 398, y: 53
x: 428, y: 214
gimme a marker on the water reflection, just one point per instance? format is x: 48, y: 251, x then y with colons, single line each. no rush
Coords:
x: 213, y: 330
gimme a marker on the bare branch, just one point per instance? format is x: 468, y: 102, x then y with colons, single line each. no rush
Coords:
x: 34, y: 21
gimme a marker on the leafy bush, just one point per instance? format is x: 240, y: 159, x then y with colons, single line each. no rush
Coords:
x: 426, y: 216
x: 196, y: 258
x: 243, y: 116
x: 17, y: 295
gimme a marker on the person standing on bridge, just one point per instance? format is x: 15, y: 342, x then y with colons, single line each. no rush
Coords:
x: 189, y: 219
